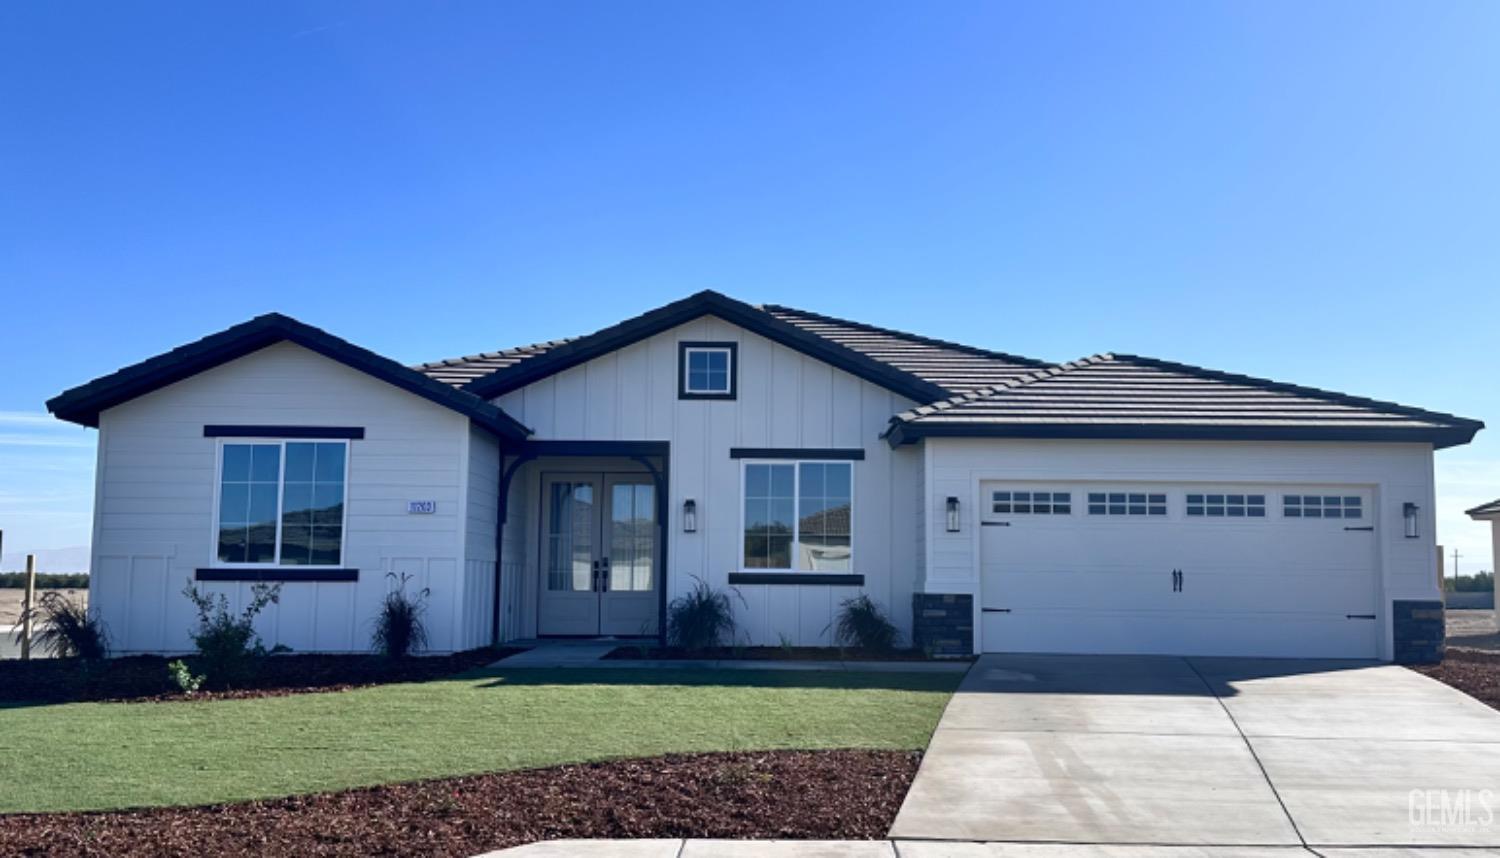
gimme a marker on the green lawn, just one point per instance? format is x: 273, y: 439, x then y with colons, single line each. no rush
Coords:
x: 92, y: 756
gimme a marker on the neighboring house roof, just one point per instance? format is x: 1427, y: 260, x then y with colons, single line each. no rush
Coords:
x: 1485, y: 511
x: 82, y: 404
x: 1127, y: 396
x: 945, y: 368
x: 556, y: 358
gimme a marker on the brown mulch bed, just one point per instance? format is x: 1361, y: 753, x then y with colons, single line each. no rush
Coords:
x: 795, y: 795
x: 770, y: 653
x: 1473, y: 672
x: 144, y: 677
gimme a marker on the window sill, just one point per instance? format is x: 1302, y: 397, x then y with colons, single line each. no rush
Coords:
x: 798, y: 578
x: 277, y: 574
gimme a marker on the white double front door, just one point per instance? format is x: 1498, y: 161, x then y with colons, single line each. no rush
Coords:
x: 599, y: 553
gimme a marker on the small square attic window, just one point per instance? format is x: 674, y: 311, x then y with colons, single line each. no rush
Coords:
x: 707, y: 370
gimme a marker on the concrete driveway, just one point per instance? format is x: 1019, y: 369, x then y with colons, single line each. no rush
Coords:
x: 1207, y: 752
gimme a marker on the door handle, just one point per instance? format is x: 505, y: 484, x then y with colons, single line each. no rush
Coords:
x: 604, y: 575
x: 1176, y: 580
x: 594, y: 578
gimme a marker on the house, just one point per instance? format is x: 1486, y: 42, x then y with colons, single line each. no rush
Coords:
x: 1489, y: 512
x: 1115, y: 504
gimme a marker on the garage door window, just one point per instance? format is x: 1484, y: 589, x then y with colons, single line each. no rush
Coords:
x: 1322, y: 506
x: 1031, y: 503
x: 1226, y: 506
x: 1127, y: 503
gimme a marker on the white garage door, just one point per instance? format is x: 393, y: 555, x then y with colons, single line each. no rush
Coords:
x: 1181, y: 569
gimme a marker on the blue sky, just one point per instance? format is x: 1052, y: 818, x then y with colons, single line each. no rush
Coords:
x: 1303, y: 191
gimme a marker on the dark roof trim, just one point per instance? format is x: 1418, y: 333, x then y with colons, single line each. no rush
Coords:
x: 706, y: 303
x: 1485, y: 510
x: 909, y: 433
x: 907, y: 335
x: 82, y: 404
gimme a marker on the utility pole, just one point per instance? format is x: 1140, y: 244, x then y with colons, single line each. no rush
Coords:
x: 1456, y: 555
x: 27, y: 610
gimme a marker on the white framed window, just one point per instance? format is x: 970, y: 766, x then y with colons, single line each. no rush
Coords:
x: 1031, y: 503
x: 1216, y: 505
x: 280, y: 502
x: 707, y: 370
x: 1128, y: 504
x: 798, y: 516
x: 1322, y: 506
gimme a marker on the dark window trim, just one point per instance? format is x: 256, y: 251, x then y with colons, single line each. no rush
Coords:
x: 808, y: 453
x: 279, y: 574
x: 798, y: 578
x: 218, y: 431
x: 734, y: 369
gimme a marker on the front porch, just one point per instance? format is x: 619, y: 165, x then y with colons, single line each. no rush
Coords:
x: 582, y: 540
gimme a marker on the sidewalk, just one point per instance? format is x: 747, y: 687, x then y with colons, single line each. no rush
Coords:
x: 921, y: 849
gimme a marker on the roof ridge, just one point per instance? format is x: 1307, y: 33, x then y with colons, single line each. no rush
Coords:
x: 933, y: 341
x: 1301, y: 390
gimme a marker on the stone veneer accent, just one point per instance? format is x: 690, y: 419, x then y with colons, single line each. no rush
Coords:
x: 943, y: 624
x: 1418, y: 631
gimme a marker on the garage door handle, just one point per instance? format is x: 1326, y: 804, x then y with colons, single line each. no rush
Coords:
x: 1359, y: 616
x: 1367, y: 527
x: 995, y: 523
x: 995, y: 610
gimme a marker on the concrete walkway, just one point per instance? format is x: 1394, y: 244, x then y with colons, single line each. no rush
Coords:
x: 591, y: 654
x: 1205, y: 752
x: 930, y: 849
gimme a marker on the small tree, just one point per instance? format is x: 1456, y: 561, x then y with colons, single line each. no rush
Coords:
x: 399, y: 628
x: 228, y: 645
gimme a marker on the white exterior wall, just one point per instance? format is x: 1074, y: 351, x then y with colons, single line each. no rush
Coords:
x: 156, y: 486
x: 785, y: 399
x: 1398, y: 473
x: 482, y: 510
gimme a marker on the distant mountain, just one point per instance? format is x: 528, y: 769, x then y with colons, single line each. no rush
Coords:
x: 74, y: 558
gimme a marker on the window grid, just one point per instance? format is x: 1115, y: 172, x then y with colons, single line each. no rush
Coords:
x: 280, y: 503
x: 1127, y: 504
x: 798, y: 516
x: 1322, y: 506
x: 708, y: 370
x: 1226, y: 506
x: 1031, y: 503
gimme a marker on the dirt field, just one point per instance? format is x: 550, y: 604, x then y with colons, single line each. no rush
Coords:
x: 10, y: 603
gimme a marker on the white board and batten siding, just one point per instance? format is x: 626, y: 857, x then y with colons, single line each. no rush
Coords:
x: 157, y: 482
x: 1293, y: 588
x: 784, y: 400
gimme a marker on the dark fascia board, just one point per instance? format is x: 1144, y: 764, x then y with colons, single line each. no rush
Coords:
x: 901, y: 432
x: 1485, y: 511
x: 83, y: 404
x: 850, y: 453
x: 705, y: 303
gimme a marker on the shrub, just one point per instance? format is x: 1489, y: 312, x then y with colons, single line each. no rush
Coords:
x: 66, y: 629
x: 228, y: 646
x: 700, y: 619
x: 862, y: 623
x: 183, y: 678
x: 399, y: 627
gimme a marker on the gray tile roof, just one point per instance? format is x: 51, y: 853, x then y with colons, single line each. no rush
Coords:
x: 954, y: 367
x: 462, y: 370
x: 1126, y: 395
x: 1485, y: 510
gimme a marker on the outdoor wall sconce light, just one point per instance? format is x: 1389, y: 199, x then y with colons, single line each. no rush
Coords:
x: 1409, y: 512
x: 689, y: 516
x: 952, y: 514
